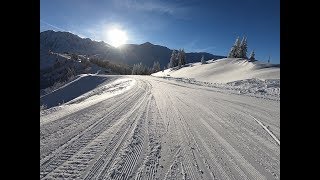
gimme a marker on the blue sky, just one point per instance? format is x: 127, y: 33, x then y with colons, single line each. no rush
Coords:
x: 211, y: 26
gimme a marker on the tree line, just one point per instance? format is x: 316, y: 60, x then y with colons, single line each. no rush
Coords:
x: 119, y: 68
x: 141, y: 69
x: 177, y: 60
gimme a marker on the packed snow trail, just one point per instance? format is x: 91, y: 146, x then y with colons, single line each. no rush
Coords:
x: 163, y: 129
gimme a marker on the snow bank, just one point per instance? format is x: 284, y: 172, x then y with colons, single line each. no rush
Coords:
x: 104, y: 91
x: 232, y: 74
x: 73, y: 89
x: 268, y: 89
x: 224, y: 70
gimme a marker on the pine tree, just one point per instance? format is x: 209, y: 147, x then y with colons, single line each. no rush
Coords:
x: 139, y: 69
x: 148, y: 70
x: 173, y: 60
x: 134, y: 69
x: 251, y: 58
x: 181, y: 57
x: 243, y: 48
x: 234, y: 49
x: 180, y: 63
x: 238, y: 53
x: 156, y: 67
x: 178, y: 60
x: 202, y: 60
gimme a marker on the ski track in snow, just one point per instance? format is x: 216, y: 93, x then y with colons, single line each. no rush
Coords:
x: 266, y: 128
x: 163, y: 129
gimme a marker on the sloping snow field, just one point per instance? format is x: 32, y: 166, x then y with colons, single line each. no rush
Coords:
x: 225, y: 70
x: 144, y: 127
x: 232, y: 74
x: 73, y: 89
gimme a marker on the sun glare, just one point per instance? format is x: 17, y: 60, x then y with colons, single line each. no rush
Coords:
x: 117, y: 37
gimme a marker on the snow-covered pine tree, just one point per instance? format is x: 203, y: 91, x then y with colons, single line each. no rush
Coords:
x: 238, y: 53
x: 181, y: 57
x: 234, y: 49
x: 148, y: 70
x: 156, y: 67
x: 243, y: 48
x: 139, y: 69
x: 176, y: 60
x: 180, y: 63
x: 135, y: 69
x: 251, y: 58
x: 202, y: 60
x: 173, y: 60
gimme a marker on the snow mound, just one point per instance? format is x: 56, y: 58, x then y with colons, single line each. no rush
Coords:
x: 103, y: 87
x: 256, y: 86
x: 83, y: 84
x: 224, y: 70
x: 235, y: 75
x: 268, y: 89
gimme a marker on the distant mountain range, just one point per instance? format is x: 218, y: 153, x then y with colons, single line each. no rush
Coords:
x: 147, y: 53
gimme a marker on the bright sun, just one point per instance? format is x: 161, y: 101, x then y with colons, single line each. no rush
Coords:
x: 117, y: 37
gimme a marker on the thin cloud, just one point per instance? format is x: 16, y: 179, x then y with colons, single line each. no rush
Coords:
x: 209, y: 48
x: 191, y: 45
x: 60, y: 29
x: 154, y: 6
x: 55, y: 27
x: 78, y: 34
x: 151, y: 6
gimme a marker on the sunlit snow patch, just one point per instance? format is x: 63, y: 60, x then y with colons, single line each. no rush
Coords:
x: 90, y: 98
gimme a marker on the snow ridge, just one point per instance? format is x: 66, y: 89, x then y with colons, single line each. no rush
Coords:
x: 268, y: 89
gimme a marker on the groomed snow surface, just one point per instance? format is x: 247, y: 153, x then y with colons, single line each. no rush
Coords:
x: 144, y: 127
